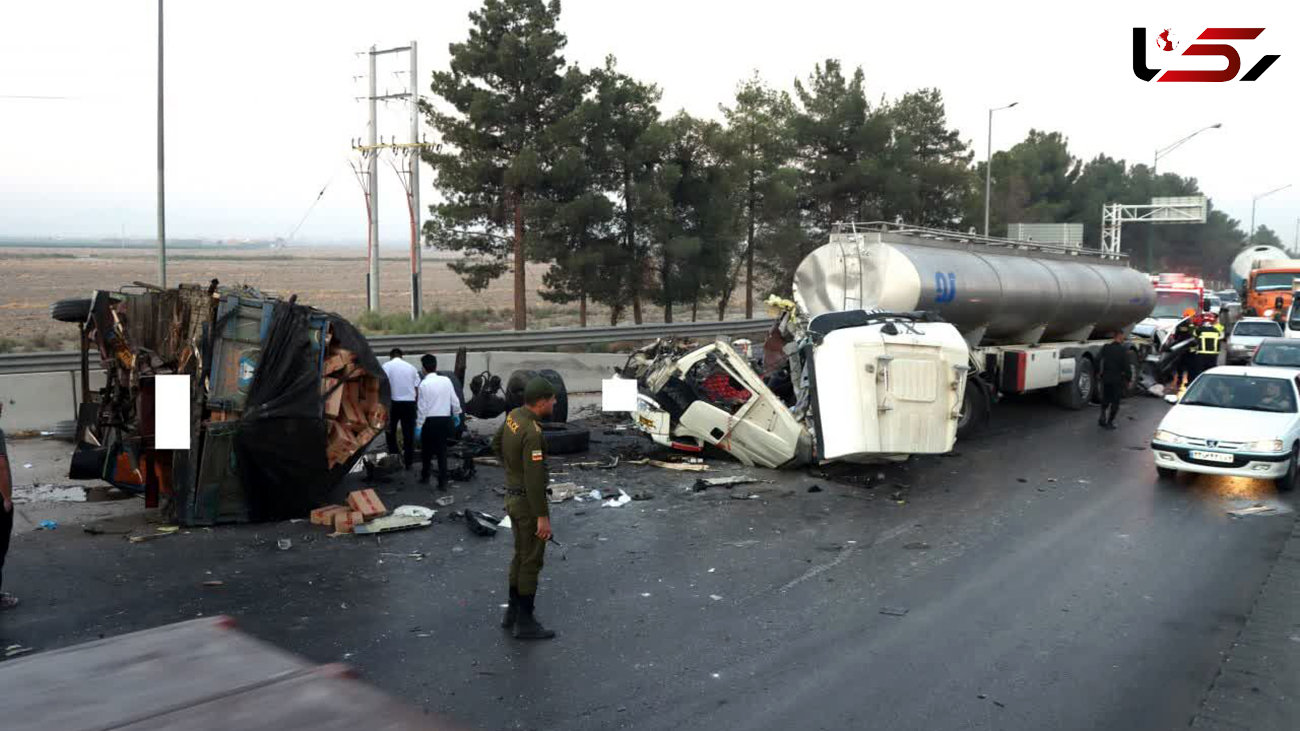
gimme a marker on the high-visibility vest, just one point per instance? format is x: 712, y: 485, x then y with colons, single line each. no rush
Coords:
x: 1208, y: 339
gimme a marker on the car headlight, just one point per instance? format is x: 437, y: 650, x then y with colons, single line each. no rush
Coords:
x: 1168, y: 437
x: 1265, y: 445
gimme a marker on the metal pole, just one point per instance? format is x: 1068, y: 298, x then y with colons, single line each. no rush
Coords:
x: 1155, y: 164
x: 162, y: 208
x: 372, y: 300
x: 988, y: 174
x: 417, y: 267
x: 1251, y: 238
x: 1295, y: 242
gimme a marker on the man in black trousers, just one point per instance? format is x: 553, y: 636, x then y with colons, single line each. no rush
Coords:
x: 403, y: 380
x: 438, y: 406
x: 1114, y: 376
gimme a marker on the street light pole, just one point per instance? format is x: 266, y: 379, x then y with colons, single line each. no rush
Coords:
x: 162, y: 209
x: 1155, y: 164
x: 1251, y: 239
x: 988, y: 166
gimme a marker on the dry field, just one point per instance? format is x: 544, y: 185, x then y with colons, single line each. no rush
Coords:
x: 328, y: 278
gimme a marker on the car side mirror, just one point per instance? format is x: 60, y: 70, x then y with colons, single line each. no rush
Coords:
x: 1171, y: 398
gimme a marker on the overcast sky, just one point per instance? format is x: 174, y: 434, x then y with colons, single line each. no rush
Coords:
x: 260, y: 95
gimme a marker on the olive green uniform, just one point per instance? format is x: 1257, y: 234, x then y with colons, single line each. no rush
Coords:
x: 522, y: 449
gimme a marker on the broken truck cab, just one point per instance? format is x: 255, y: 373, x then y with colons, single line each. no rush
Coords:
x: 844, y: 386
x: 284, y: 398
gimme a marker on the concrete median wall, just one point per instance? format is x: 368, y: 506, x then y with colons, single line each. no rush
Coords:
x: 37, y: 401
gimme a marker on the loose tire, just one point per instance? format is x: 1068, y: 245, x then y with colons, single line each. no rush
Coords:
x: 76, y: 311
x: 565, y: 438
x: 1077, y: 393
x: 974, y: 410
x: 518, y: 381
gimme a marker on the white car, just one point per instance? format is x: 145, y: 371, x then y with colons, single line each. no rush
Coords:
x: 1239, y: 421
x: 1247, y: 334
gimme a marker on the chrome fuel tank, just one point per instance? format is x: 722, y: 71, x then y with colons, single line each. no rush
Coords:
x: 995, y: 291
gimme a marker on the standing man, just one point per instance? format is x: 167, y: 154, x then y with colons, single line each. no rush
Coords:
x: 522, y: 450
x: 7, y: 601
x: 1114, y: 375
x: 437, y: 406
x: 403, y: 380
x: 1209, y: 342
x: 1184, y: 367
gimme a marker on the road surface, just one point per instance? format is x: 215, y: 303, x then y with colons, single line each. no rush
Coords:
x: 1039, y: 578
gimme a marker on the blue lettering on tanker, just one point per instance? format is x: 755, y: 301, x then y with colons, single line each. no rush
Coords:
x: 945, y: 287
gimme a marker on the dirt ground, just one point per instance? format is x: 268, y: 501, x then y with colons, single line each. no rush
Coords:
x: 328, y: 278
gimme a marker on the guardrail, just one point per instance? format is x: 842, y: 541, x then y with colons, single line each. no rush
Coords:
x: 70, y: 360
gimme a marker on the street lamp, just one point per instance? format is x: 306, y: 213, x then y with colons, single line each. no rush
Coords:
x: 1255, y: 200
x: 1166, y: 150
x: 988, y: 167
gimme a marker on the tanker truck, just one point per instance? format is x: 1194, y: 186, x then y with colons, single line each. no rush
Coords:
x: 1248, y: 260
x: 898, y: 340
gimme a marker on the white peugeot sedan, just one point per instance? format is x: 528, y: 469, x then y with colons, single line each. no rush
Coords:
x: 1233, y: 420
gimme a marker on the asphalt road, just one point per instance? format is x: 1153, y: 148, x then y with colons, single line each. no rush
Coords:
x: 1039, y: 578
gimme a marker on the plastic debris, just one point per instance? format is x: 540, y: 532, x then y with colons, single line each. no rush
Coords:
x: 415, y: 511
x: 1256, y: 509
x: 679, y: 466
x: 213, y: 584
x: 284, y: 544
x: 16, y: 650
x: 168, y: 528
x: 505, y: 523
x: 445, y: 500
x: 390, y: 523
x: 618, y: 502
x: 641, y: 496
x: 27, y: 465
x: 48, y: 525
x: 893, y: 611
x: 815, y: 488
x: 480, y: 524
x: 704, y: 483
x: 561, y: 491
x: 595, y: 495
x: 715, y: 597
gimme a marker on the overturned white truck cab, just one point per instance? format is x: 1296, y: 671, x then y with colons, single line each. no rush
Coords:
x: 898, y: 339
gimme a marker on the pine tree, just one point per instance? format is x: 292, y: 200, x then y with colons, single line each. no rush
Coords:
x: 931, y: 179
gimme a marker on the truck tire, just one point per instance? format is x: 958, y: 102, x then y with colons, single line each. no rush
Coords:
x: 1134, y: 385
x: 974, y: 410
x: 518, y: 381
x: 1076, y: 393
x: 75, y: 311
x: 565, y: 438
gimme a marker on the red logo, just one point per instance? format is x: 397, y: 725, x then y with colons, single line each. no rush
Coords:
x: 1165, y: 41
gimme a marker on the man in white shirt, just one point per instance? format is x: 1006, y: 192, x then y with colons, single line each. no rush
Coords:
x: 438, y: 404
x: 403, y: 380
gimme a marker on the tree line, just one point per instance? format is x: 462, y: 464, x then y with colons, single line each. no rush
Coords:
x: 543, y: 161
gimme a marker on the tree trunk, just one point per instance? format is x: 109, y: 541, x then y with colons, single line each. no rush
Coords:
x: 695, y: 309
x: 749, y: 256
x: 666, y: 275
x: 521, y: 305
x: 629, y: 243
x: 582, y: 310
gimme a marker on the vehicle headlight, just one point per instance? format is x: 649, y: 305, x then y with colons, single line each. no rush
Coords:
x: 1265, y: 445
x: 1168, y: 437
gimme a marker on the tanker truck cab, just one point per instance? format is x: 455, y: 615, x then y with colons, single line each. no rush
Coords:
x: 1175, y: 296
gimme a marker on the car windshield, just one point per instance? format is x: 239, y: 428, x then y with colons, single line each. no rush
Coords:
x: 1229, y: 297
x: 1174, y: 304
x: 1285, y: 353
x: 1248, y: 393
x: 1274, y: 280
x: 1258, y: 329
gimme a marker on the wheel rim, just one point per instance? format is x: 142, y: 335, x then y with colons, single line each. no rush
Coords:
x: 1085, y: 381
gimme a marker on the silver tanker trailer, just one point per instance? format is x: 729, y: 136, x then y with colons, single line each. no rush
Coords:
x: 898, y: 340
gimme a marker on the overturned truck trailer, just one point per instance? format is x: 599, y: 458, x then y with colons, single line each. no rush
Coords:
x: 898, y: 340
x: 284, y: 399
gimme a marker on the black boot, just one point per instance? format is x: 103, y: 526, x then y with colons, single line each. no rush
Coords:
x: 526, y: 626
x: 512, y: 610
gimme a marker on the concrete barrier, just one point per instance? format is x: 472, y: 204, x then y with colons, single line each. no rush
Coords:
x: 39, y: 401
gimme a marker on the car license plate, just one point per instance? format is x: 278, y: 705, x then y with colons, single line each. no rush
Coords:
x: 1212, y: 457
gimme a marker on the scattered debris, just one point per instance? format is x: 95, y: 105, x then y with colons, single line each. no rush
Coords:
x: 595, y: 495
x: 415, y: 511
x: 480, y: 524
x: 893, y: 611
x: 16, y: 650
x: 47, y: 525
x: 444, y: 500
x: 325, y: 515
x: 390, y: 523
x: 213, y: 584
x: 505, y: 523
x: 679, y: 466
x: 27, y: 465
x: 705, y: 483
x: 815, y: 488
x: 642, y: 496
x: 1021, y: 479
x: 148, y: 537
x: 346, y: 522
x: 618, y: 502
x: 367, y: 503
x: 715, y: 597
x: 1256, y: 509
x: 284, y: 544
x: 917, y: 546
x: 561, y: 491
x: 487, y: 461
x: 168, y: 528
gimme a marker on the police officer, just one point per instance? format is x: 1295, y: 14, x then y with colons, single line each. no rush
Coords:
x: 1209, y: 341
x: 522, y: 450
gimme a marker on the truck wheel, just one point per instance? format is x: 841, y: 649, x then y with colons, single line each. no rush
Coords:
x: 515, y: 385
x: 76, y: 311
x: 974, y: 411
x: 565, y: 438
x: 1134, y: 384
x: 1077, y: 393
x: 518, y: 381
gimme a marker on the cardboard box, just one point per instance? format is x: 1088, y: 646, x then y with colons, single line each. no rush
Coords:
x: 345, y: 521
x: 367, y: 503
x: 325, y: 515
x: 332, y: 390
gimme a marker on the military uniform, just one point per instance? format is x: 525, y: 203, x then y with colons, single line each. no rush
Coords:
x: 522, y: 449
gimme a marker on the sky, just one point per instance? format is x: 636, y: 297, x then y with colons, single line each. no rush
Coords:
x: 261, y: 100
